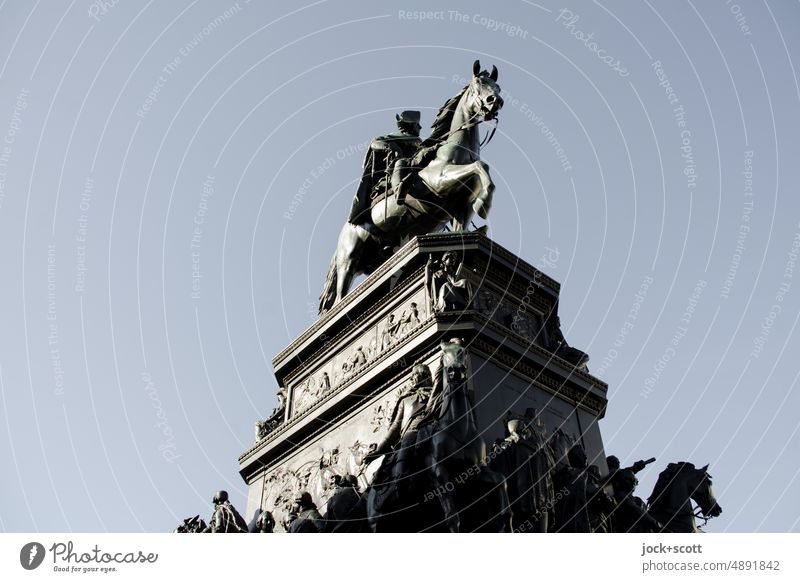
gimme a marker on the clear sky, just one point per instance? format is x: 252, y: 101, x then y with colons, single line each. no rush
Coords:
x: 173, y: 176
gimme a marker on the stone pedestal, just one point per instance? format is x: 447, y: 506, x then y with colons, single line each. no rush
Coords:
x: 343, y: 375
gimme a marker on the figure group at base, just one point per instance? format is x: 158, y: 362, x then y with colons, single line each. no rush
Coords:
x: 435, y: 473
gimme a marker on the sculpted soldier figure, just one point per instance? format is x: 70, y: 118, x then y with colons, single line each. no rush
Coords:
x: 264, y: 427
x: 526, y: 461
x: 347, y: 508
x: 387, y: 166
x: 446, y: 290
x: 600, y: 503
x: 412, y: 410
x: 409, y: 187
x: 630, y: 513
x: 572, y: 515
x: 225, y: 519
x: 304, y: 517
x: 559, y: 345
x: 614, y: 468
x: 265, y: 522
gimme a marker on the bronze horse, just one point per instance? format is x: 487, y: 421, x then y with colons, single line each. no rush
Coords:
x: 452, y: 187
x: 671, y: 501
x: 457, y: 455
x: 450, y: 467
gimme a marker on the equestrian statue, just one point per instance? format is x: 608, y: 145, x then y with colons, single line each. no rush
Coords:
x: 434, y: 475
x: 411, y: 187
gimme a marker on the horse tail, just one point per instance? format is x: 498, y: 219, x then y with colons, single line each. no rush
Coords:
x: 328, y: 296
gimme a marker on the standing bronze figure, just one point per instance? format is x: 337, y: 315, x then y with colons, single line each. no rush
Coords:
x: 444, y: 181
x: 526, y: 460
x: 225, y: 518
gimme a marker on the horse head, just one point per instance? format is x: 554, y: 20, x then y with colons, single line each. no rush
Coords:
x: 484, y: 93
x: 454, y: 361
x: 677, y: 486
x: 703, y: 494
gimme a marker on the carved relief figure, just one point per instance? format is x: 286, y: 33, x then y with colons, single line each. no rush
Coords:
x: 358, y: 358
x: 409, y: 319
x: 388, y: 335
x: 304, y: 396
x: 372, y: 348
x: 324, y: 385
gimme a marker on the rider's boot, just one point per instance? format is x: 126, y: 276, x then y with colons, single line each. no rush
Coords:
x: 400, y: 183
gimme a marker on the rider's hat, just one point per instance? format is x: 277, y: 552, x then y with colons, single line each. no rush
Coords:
x: 408, y: 117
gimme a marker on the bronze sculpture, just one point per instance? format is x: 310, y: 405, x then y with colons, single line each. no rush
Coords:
x: 572, y: 515
x: 560, y: 347
x: 387, y: 166
x: 431, y: 471
x: 447, y: 182
x: 630, y: 512
x: 524, y: 457
x: 304, y: 516
x: 191, y: 525
x: 347, y: 508
x: 458, y: 450
x: 402, y: 463
x: 447, y: 291
x: 275, y: 419
x: 411, y: 411
x: 600, y: 503
x: 225, y: 518
x: 439, y: 459
x: 265, y: 523
x: 671, y: 501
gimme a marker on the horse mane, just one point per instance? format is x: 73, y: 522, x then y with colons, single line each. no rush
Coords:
x: 665, y: 479
x: 441, y: 125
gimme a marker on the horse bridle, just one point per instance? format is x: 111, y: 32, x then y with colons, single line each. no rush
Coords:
x: 472, y: 122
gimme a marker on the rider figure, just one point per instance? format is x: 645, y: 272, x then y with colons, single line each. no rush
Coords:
x: 387, y: 166
x: 614, y: 470
x: 410, y: 413
x: 630, y: 513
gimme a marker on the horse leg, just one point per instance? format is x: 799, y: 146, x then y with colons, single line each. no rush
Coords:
x: 540, y: 525
x: 482, y: 203
x: 348, y: 255
x: 442, y: 179
x: 442, y: 478
x: 497, y: 500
